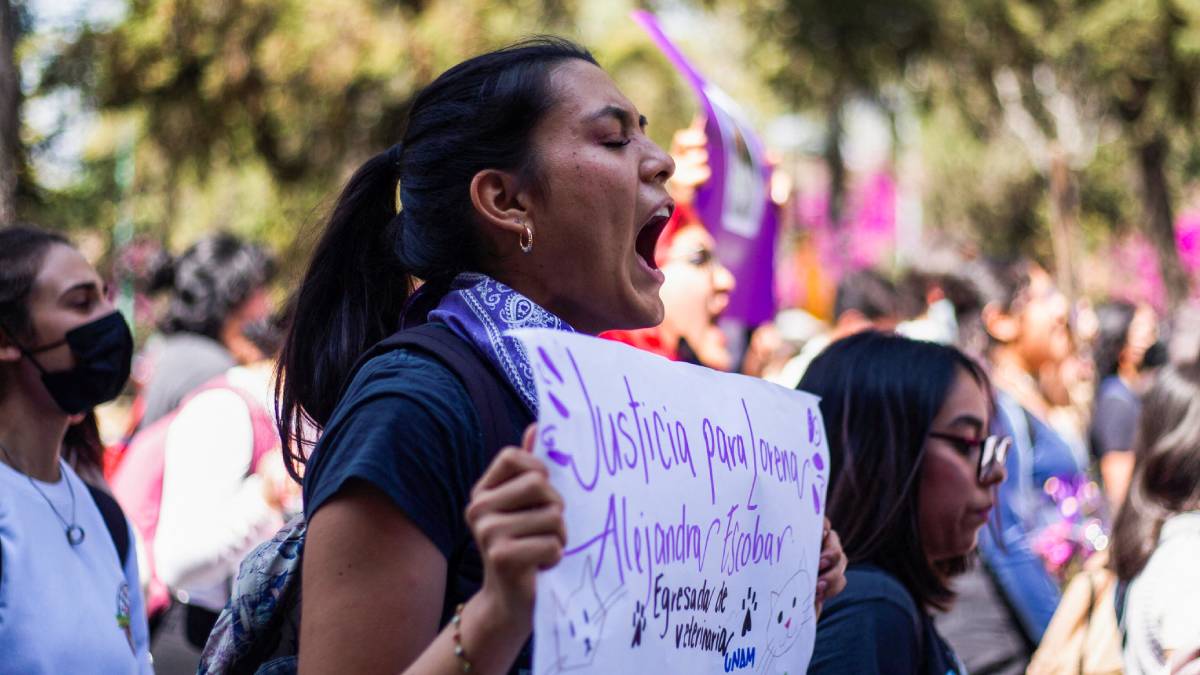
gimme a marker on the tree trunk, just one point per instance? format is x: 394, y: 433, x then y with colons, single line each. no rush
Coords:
x: 1159, y: 217
x: 11, y: 158
x: 1063, y: 220
x: 835, y: 162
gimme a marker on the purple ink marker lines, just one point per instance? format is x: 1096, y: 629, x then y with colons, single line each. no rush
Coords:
x: 550, y: 364
x: 558, y: 405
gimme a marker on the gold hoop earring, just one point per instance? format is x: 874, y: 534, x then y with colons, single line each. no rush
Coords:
x: 527, y: 239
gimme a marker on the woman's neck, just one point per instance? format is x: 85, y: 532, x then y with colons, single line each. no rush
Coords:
x: 545, y: 297
x: 669, y: 335
x: 1129, y: 374
x: 1010, y: 374
x: 32, y: 440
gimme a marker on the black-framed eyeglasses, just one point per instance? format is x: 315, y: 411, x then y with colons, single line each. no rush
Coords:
x: 993, y: 451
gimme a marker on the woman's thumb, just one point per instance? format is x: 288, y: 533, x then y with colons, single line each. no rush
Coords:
x: 530, y: 438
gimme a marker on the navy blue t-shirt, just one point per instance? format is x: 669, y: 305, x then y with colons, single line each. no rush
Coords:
x: 874, y: 626
x: 1115, y: 419
x: 407, y: 426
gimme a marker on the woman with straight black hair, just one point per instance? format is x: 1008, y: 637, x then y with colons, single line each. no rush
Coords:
x: 523, y: 193
x: 1020, y: 331
x: 912, y: 480
x: 1156, y: 536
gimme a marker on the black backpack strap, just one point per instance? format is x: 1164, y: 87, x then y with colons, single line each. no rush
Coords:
x: 114, y: 520
x: 487, y: 388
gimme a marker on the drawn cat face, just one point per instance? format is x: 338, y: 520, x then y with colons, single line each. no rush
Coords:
x: 579, y: 623
x: 791, y: 608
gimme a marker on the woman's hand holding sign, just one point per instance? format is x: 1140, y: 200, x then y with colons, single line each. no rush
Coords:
x: 832, y: 568
x: 516, y: 517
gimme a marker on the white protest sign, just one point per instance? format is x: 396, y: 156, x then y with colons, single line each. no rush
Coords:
x: 694, y: 511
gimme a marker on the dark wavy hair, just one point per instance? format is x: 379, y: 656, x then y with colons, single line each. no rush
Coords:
x: 478, y: 115
x: 1114, y: 318
x: 1166, y: 473
x: 209, y: 281
x: 880, y: 394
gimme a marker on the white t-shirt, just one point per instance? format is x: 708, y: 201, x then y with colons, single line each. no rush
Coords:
x: 793, y: 371
x: 60, y: 604
x: 213, y: 510
x: 1162, y: 611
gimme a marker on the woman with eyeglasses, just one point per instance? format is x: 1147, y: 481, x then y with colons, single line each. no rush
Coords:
x: 913, y: 478
x: 1020, y: 331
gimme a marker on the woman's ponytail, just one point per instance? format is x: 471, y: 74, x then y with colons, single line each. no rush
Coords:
x: 349, y: 299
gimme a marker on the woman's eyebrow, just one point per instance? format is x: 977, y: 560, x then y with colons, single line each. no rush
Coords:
x: 972, y: 421
x: 83, y: 285
x: 623, y: 116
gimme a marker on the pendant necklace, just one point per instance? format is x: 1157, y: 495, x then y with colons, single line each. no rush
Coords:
x: 73, y: 531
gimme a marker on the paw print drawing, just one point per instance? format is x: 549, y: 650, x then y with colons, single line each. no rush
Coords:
x: 750, y: 604
x: 639, y: 624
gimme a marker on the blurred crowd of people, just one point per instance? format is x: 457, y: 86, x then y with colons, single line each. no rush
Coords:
x: 1068, y: 377
x: 993, y: 441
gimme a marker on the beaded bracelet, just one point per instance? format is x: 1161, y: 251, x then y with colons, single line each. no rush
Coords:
x: 459, y: 652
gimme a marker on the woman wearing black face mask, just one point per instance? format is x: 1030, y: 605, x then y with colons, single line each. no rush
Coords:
x: 69, y: 595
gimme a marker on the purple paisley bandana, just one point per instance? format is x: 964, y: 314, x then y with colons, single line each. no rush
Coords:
x: 481, y: 310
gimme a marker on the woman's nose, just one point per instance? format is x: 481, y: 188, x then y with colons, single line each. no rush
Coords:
x: 723, y: 279
x: 103, y: 307
x: 996, y: 476
x: 657, y: 165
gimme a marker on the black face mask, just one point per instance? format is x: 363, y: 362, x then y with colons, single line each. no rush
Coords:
x: 103, y: 351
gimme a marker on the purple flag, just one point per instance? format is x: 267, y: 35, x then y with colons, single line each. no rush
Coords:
x: 735, y: 203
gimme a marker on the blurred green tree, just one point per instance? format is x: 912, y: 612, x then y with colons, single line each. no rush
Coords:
x: 1062, y: 82
x: 247, y: 114
x: 1070, y: 76
x: 244, y: 114
x: 822, y: 54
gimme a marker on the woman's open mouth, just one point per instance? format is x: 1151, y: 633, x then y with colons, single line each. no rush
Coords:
x: 647, y: 240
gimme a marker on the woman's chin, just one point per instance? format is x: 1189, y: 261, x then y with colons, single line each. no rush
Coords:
x: 652, y: 311
x: 972, y: 545
x: 716, y: 357
x: 637, y: 312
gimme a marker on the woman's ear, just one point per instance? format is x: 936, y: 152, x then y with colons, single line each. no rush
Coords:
x: 1001, y: 326
x: 501, y: 206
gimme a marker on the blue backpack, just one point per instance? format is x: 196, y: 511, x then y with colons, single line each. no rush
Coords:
x: 259, y: 629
